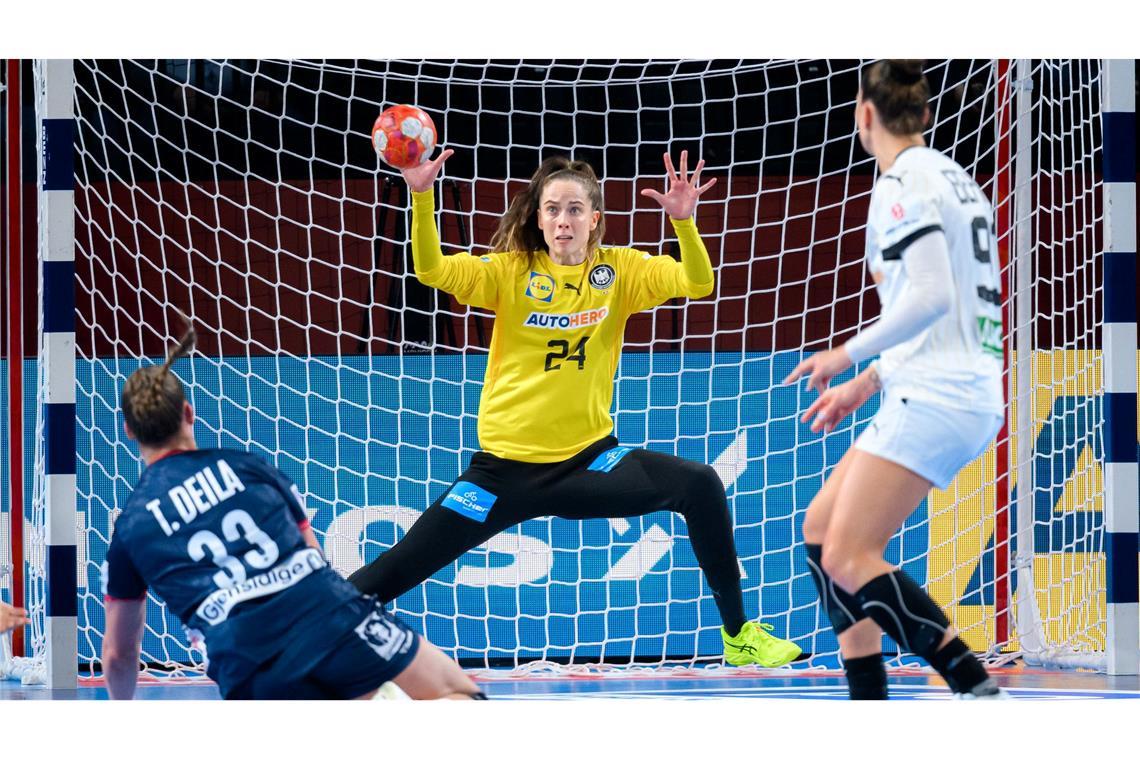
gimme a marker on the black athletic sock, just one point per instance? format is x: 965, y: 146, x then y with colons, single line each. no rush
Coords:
x: 731, y: 610
x: 866, y: 677
x: 734, y: 629
x: 962, y: 671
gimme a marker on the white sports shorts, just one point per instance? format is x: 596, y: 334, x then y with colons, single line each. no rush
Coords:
x: 930, y: 440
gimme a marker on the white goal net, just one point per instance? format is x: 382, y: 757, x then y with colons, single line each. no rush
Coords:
x: 246, y: 193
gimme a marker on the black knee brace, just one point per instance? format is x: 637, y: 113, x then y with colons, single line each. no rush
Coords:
x: 841, y: 608
x: 905, y: 612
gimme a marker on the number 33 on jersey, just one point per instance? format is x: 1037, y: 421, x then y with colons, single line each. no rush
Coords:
x: 200, y: 521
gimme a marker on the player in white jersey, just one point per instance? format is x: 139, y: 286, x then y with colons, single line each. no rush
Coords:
x: 931, y: 253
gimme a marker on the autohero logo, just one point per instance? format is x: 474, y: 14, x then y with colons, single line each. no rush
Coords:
x: 540, y: 287
x: 566, y: 321
x: 602, y: 277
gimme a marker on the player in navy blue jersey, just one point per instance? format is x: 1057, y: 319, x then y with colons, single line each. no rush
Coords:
x: 224, y: 540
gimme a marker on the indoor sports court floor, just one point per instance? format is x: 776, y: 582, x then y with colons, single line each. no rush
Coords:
x: 1022, y: 684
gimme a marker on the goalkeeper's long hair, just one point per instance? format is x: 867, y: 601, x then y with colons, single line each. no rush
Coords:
x: 153, y: 397
x: 518, y: 229
x: 900, y: 92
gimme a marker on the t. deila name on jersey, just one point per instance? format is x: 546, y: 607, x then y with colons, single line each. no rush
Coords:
x: 197, y: 494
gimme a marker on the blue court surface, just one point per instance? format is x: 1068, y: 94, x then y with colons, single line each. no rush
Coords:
x: 726, y: 683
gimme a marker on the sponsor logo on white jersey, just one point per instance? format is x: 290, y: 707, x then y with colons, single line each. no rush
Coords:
x: 566, y: 321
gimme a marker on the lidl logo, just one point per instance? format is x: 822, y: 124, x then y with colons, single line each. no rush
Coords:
x: 540, y: 287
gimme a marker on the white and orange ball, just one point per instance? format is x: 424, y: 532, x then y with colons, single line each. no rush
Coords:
x: 404, y: 136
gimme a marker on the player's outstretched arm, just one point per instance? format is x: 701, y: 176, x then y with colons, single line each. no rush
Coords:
x: 463, y: 276
x: 122, y: 643
x: 928, y: 299
x: 12, y: 617
x: 679, y: 201
x: 820, y: 368
x: 427, y: 253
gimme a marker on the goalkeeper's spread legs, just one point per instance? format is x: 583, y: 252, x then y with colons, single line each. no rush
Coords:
x: 602, y: 481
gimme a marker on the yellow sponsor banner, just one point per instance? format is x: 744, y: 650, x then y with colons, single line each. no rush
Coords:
x: 1068, y: 574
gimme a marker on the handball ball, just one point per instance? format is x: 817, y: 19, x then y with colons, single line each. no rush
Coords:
x: 403, y: 136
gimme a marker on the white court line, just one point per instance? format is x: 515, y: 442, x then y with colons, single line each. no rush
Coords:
x: 1037, y: 692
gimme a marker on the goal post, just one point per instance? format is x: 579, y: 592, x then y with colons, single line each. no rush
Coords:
x: 43, y: 531
x: 55, y: 488
x: 246, y: 194
x: 1122, y: 497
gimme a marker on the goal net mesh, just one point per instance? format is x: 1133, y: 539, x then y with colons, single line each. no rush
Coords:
x: 246, y: 194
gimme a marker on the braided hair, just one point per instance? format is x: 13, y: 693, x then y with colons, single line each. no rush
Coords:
x: 153, y: 398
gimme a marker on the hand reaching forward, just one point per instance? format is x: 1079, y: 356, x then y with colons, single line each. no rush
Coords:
x: 422, y: 177
x: 834, y: 404
x: 820, y: 368
x: 680, y: 200
x: 11, y: 617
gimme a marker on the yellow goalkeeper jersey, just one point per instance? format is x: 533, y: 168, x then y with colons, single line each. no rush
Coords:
x: 558, y: 330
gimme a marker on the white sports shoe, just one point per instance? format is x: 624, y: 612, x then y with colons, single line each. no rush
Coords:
x: 987, y: 689
x: 390, y: 691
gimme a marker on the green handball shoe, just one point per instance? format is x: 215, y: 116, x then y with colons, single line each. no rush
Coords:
x: 755, y: 646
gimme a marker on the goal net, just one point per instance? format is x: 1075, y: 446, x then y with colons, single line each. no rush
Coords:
x: 246, y: 194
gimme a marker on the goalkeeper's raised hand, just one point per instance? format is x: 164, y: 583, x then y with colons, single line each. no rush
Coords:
x: 422, y: 177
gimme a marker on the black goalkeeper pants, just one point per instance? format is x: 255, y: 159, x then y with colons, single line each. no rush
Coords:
x: 603, y: 480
